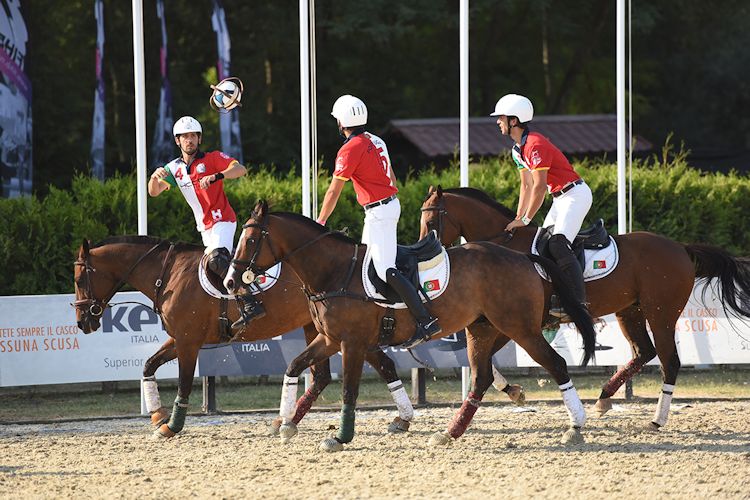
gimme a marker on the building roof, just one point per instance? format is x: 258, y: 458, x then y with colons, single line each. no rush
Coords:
x: 573, y: 134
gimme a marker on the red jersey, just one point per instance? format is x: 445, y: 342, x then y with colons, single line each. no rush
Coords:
x: 536, y: 152
x: 364, y: 159
x: 209, y: 205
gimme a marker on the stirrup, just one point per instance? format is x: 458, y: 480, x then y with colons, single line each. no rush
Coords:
x: 423, y: 334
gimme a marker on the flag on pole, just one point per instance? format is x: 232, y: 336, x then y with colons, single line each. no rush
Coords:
x: 97, y: 134
x: 229, y: 123
x: 162, y: 148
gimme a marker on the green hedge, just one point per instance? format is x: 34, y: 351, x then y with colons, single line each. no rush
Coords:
x: 39, y: 238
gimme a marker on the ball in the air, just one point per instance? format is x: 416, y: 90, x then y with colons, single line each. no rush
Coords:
x: 229, y: 88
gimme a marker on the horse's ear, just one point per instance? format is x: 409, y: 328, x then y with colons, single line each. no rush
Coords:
x: 264, y: 206
x: 430, y: 190
x: 85, y: 246
x: 440, y: 190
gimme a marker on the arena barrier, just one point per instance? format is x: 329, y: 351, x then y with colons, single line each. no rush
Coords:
x: 41, y: 344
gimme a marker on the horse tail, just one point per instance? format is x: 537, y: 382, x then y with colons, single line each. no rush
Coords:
x: 733, y: 274
x: 577, y: 312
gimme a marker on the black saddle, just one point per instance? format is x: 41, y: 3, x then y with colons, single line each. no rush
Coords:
x: 408, y: 258
x: 593, y: 237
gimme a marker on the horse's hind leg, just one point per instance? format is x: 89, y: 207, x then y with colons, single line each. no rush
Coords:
x: 386, y: 368
x: 515, y: 392
x: 633, y: 326
x: 167, y: 352
x: 479, y: 350
x: 663, y: 327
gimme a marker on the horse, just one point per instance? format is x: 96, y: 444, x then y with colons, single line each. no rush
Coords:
x: 190, y: 317
x: 652, y: 283
x: 329, y: 265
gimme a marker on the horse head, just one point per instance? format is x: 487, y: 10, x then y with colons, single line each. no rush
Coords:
x: 88, y: 308
x: 435, y: 217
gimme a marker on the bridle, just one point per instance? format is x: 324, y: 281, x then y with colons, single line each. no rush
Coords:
x: 95, y: 307
x: 443, y: 213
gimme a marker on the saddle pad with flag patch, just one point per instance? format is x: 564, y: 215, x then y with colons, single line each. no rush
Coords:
x: 598, y: 262
x: 434, y: 275
x: 263, y: 282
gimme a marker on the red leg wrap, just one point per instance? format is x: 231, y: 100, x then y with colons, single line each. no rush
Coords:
x: 463, y: 418
x: 305, y: 403
x: 623, y: 375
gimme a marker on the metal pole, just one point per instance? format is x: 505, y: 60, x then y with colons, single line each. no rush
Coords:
x: 314, y: 114
x: 621, y: 213
x: 464, y: 89
x: 140, y: 114
x: 304, y: 87
x: 419, y: 385
x: 209, y: 395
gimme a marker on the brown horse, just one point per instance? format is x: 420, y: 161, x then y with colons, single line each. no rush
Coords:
x: 494, y: 291
x: 652, y: 282
x: 190, y: 317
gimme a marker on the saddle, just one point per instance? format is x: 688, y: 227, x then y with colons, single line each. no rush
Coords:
x: 214, y: 279
x: 423, y: 254
x: 594, y: 237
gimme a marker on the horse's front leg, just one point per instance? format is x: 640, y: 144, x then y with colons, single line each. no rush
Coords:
x: 317, y: 351
x: 321, y: 377
x: 167, y: 352
x: 353, y: 358
x: 187, y: 355
x: 386, y: 368
x: 479, y: 351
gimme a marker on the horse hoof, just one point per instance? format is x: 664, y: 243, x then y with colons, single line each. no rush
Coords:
x: 516, y: 394
x: 602, y: 406
x: 159, y: 417
x: 164, y: 432
x: 331, y: 445
x: 273, y: 427
x: 439, y: 439
x: 572, y: 436
x: 651, y: 427
x: 287, y: 431
x: 398, y: 426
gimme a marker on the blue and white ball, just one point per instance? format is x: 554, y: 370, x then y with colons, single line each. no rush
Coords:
x: 226, y: 96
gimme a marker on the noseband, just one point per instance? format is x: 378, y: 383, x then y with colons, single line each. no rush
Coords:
x: 95, y: 307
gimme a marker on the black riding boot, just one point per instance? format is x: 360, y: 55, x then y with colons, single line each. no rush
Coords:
x: 250, y: 307
x: 427, y: 326
x: 559, y: 247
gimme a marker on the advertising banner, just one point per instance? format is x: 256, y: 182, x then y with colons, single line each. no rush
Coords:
x: 163, y: 148
x: 40, y: 342
x: 15, y: 104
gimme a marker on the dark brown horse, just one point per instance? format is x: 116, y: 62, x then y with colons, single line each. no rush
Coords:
x: 494, y: 291
x: 652, y: 282
x: 190, y: 316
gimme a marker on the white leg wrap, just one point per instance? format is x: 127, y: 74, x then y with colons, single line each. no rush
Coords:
x: 662, y: 408
x: 403, y: 403
x: 573, y: 404
x: 151, y: 395
x: 499, y: 383
x: 288, y: 398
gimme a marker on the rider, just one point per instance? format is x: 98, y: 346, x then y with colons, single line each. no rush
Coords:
x: 543, y: 167
x: 364, y: 159
x: 199, y: 176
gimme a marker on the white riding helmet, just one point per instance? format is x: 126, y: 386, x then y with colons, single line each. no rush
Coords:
x: 515, y: 105
x: 185, y: 125
x: 350, y: 111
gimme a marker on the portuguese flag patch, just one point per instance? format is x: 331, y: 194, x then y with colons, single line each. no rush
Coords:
x: 431, y: 286
x: 600, y: 264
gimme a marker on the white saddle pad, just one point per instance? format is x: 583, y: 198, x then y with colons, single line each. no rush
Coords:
x: 434, y: 275
x: 599, y: 261
x: 263, y: 282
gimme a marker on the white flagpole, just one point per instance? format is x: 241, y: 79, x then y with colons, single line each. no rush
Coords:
x: 304, y: 84
x: 464, y: 89
x: 622, y: 227
x: 140, y: 114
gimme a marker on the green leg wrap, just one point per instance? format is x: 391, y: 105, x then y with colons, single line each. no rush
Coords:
x: 346, y: 430
x: 179, y: 412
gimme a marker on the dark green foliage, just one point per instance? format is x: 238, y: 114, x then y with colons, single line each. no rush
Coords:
x: 40, y: 237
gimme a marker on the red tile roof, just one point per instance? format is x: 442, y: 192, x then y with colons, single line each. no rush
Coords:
x: 573, y: 134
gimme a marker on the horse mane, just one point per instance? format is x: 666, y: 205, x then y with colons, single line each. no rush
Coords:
x: 142, y: 240
x: 481, y: 196
x: 306, y: 220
